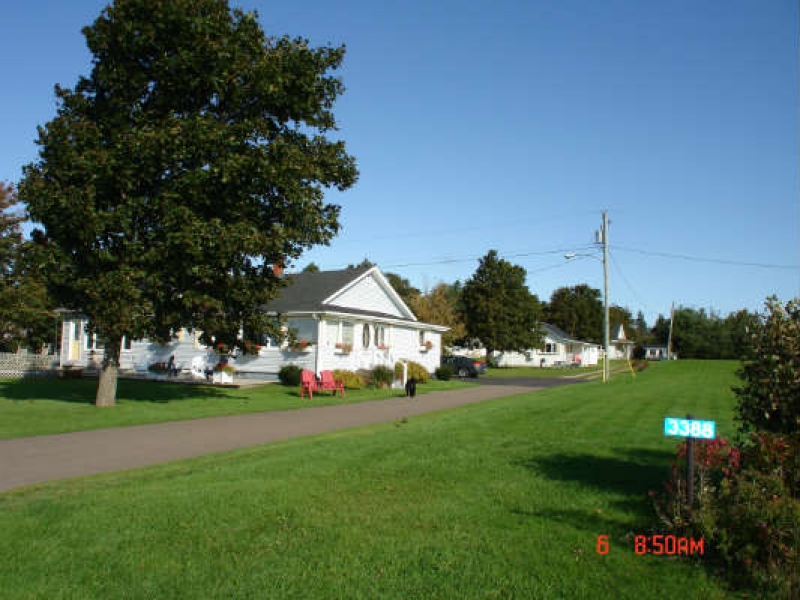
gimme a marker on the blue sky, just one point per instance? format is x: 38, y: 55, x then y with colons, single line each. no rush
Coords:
x: 512, y: 125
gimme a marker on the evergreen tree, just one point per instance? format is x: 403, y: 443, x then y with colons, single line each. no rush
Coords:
x: 498, y: 307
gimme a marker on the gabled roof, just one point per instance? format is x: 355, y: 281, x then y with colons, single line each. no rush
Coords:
x: 560, y: 335
x: 307, y: 291
x: 322, y: 292
x: 619, y: 336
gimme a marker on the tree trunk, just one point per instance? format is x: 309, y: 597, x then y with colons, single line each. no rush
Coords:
x: 107, y: 381
x: 488, y: 357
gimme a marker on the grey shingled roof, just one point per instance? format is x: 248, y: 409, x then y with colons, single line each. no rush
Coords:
x: 555, y: 332
x: 306, y: 292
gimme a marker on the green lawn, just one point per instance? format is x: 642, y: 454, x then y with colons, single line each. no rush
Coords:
x: 503, y: 499
x: 42, y: 406
x: 620, y: 366
x: 507, y: 372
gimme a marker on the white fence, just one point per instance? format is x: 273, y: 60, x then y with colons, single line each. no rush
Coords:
x: 22, y: 364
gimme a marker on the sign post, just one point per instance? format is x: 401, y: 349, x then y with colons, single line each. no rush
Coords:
x: 690, y: 468
x: 690, y: 429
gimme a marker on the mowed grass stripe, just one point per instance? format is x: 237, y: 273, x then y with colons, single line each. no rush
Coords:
x: 499, y: 500
x: 48, y: 406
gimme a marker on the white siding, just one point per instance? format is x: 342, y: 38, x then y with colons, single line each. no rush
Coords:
x: 565, y: 353
x: 369, y: 295
x: 403, y: 343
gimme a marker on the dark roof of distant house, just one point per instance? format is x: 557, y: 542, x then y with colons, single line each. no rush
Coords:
x: 559, y: 334
x: 555, y: 332
x: 306, y: 292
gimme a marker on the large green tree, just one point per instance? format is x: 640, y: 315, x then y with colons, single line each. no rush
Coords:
x: 10, y: 241
x: 498, y: 307
x: 193, y: 157
x: 26, y: 315
x: 441, y: 307
x: 578, y: 310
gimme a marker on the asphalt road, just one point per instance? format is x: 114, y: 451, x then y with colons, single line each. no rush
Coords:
x: 31, y: 460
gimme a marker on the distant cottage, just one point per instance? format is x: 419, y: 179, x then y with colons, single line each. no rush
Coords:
x: 350, y: 319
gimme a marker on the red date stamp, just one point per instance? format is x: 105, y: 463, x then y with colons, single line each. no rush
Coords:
x: 659, y: 545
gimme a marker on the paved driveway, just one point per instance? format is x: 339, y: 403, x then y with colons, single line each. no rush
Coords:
x: 26, y: 461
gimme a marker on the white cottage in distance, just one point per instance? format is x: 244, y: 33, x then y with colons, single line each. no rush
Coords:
x: 558, y: 349
x: 352, y: 319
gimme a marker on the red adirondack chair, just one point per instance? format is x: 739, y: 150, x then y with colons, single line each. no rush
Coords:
x: 308, y: 383
x: 329, y: 383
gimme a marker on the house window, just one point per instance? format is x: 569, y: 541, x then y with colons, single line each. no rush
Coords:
x: 93, y: 343
x: 347, y: 332
x: 380, y: 335
x: 126, y: 342
x: 365, y: 336
x: 421, y: 338
x: 550, y: 348
x: 339, y: 332
x: 304, y: 329
x: 332, y: 332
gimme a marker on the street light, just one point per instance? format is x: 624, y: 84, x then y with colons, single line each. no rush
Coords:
x: 602, y: 238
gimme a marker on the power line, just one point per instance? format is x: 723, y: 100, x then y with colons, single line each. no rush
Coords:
x: 445, y: 261
x: 720, y: 261
x: 627, y: 283
x: 416, y: 234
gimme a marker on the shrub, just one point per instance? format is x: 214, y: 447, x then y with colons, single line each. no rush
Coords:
x: 415, y: 370
x: 350, y: 379
x: 444, y: 373
x: 382, y: 376
x: 713, y: 460
x: 290, y: 375
x: 744, y: 509
x: 771, y: 372
x: 754, y: 528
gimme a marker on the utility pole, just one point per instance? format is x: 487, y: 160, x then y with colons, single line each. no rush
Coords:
x: 606, y: 323
x: 669, y: 338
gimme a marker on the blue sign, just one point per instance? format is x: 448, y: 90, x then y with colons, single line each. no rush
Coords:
x: 704, y: 430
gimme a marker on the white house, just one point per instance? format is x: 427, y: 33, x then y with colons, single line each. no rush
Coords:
x: 352, y: 319
x: 620, y: 348
x: 558, y: 348
x: 658, y: 352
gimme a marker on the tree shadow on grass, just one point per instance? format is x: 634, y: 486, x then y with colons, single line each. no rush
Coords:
x: 83, y: 391
x: 629, y: 475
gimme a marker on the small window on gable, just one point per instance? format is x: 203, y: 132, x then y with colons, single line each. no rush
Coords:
x: 365, y: 336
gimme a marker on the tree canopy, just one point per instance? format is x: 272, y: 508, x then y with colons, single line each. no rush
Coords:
x: 578, y: 310
x: 498, y: 307
x: 441, y: 306
x: 697, y: 333
x: 193, y: 157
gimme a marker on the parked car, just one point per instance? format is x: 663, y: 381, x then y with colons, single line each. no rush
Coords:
x: 464, y: 366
